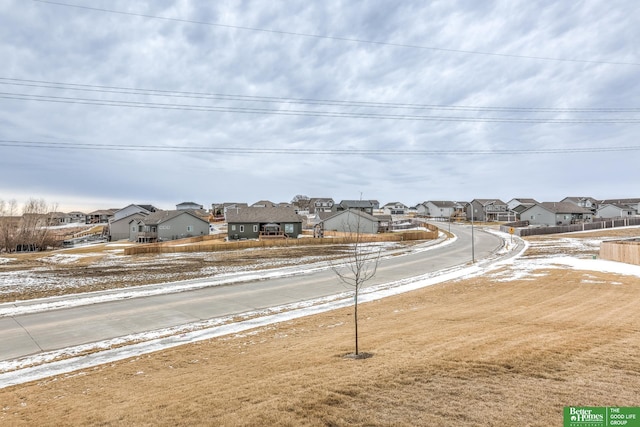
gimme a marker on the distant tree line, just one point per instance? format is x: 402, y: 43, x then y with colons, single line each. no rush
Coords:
x: 26, y: 229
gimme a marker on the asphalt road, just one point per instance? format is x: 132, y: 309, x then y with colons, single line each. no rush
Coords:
x: 28, y: 334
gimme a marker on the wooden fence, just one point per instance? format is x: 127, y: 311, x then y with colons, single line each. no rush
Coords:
x: 198, y: 244
x: 597, y: 224
x: 621, y: 250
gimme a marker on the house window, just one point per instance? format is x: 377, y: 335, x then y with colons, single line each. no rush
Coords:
x: 189, y: 228
x: 255, y: 228
x: 133, y: 228
x: 242, y: 228
x: 233, y: 227
x: 288, y: 228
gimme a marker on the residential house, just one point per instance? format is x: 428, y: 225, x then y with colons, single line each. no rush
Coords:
x: 521, y: 201
x: 78, y: 217
x: 366, y: 206
x: 321, y: 205
x: 264, y: 204
x: 421, y: 209
x: 220, y: 209
x: 351, y: 221
x: 584, y: 202
x: 131, y: 209
x: 442, y: 208
x: 301, y: 204
x: 395, y: 208
x: 632, y: 203
x: 185, y: 206
x: 100, y: 216
x: 169, y: 225
x: 614, y: 210
x: 384, y: 223
x: 487, y: 210
x: 517, y: 206
x: 126, y: 227
x: 556, y: 213
x: 263, y: 222
x: 58, y: 218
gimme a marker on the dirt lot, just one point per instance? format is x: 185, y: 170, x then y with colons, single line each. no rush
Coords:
x: 503, y: 349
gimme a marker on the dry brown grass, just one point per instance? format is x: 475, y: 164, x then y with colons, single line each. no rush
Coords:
x: 475, y: 352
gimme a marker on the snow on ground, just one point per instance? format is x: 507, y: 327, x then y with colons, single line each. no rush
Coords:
x: 62, y: 258
x: 42, y: 279
x: 6, y: 260
x: 45, y: 365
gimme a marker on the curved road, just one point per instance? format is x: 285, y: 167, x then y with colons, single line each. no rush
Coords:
x: 27, y: 334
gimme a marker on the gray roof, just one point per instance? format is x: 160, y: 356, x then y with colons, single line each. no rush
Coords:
x: 130, y: 217
x: 485, y: 202
x: 353, y: 212
x: 324, y: 215
x: 356, y: 204
x: 321, y: 199
x: 266, y: 203
x: 159, y: 217
x: 617, y: 205
x: 442, y: 203
x: 525, y: 202
x: 521, y: 208
x: 563, y: 207
x: 263, y: 215
x: 577, y: 199
x: 103, y: 212
x: 620, y: 201
x: 234, y: 204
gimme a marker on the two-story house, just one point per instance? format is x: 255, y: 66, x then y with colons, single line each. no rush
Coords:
x: 488, y: 210
x: 395, y: 208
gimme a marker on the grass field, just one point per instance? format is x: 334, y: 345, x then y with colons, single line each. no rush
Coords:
x: 503, y: 349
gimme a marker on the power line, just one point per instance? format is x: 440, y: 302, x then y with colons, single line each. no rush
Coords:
x: 337, y: 38
x: 307, y: 101
x: 304, y: 151
x: 308, y: 113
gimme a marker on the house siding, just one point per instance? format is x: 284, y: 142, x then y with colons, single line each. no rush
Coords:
x: 439, y: 212
x: 351, y: 223
x: 537, y: 215
x: 178, y: 227
x: 610, y: 211
x: 120, y: 229
x: 234, y: 233
x: 247, y: 233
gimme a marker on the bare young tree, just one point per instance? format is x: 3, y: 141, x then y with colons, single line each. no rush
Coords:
x: 36, y: 219
x: 9, y: 221
x: 360, y: 267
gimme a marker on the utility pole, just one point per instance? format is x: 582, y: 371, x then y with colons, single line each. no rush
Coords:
x: 473, y: 255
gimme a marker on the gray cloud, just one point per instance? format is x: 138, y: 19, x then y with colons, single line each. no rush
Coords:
x: 45, y: 42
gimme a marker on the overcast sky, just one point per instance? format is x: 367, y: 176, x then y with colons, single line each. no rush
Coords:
x: 107, y: 103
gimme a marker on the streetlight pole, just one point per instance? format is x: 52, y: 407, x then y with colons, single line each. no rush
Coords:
x: 473, y: 255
